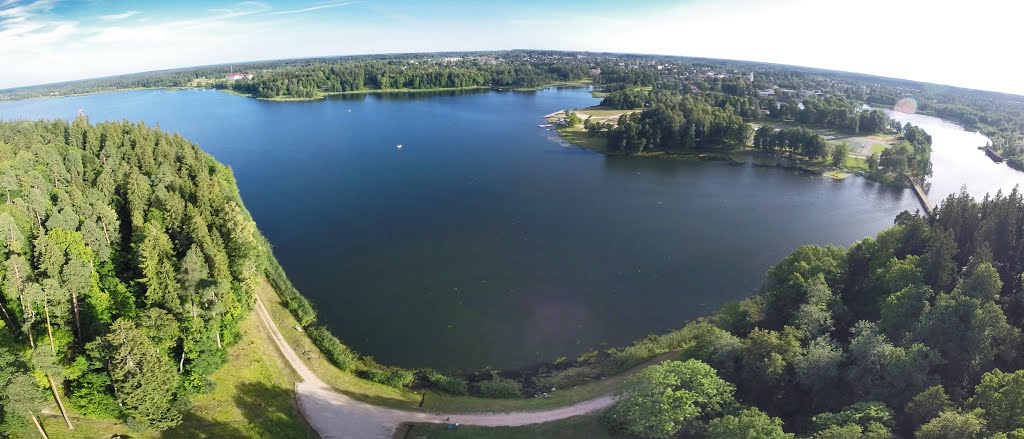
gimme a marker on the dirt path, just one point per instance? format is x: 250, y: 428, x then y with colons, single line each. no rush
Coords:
x: 335, y: 415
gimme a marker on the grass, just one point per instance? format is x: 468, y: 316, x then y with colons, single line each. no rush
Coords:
x: 577, y: 136
x: 253, y: 398
x: 577, y: 427
x: 877, y: 148
x: 856, y: 164
x: 601, y: 112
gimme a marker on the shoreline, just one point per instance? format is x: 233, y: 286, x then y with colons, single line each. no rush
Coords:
x: 560, y: 84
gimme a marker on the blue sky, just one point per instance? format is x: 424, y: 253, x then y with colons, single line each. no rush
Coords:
x: 970, y: 44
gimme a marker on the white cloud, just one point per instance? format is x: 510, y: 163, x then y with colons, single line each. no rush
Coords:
x: 121, y: 16
x: 316, y: 8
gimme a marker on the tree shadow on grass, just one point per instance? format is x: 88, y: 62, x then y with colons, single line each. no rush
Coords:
x: 272, y: 411
x: 196, y: 426
x: 268, y: 411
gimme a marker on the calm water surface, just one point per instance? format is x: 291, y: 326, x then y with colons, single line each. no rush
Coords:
x: 484, y: 240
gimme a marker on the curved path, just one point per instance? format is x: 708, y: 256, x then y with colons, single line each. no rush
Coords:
x: 335, y: 415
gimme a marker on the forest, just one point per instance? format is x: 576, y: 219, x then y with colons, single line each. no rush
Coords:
x: 127, y: 262
x: 913, y: 333
x: 311, y: 81
x: 673, y: 122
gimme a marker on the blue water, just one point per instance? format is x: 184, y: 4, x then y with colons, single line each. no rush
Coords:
x: 484, y: 240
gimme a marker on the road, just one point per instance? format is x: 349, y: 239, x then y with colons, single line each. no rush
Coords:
x: 334, y: 415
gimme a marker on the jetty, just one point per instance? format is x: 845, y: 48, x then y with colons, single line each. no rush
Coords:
x: 992, y: 154
x: 929, y: 208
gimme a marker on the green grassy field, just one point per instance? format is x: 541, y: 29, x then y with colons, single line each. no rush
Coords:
x: 579, y: 427
x: 253, y: 398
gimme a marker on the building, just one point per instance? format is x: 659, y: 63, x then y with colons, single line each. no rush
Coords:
x: 237, y: 76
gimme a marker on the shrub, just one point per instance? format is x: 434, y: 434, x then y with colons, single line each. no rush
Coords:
x: 333, y: 349
x: 498, y: 387
x: 448, y: 384
x: 90, y: 396
x: 567, y: 378
x: 397, y: 378
x: 299, y: 306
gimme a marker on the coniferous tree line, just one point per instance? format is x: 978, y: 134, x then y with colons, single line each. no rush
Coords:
x: 126, y: 264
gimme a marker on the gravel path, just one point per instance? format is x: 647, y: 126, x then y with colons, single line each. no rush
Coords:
x: 334, y: 415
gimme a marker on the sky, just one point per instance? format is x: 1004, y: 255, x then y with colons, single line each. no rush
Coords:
x: 969, y: 44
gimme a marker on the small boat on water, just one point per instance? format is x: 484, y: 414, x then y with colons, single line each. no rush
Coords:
x: 399, y: 146
x: 546, y: 125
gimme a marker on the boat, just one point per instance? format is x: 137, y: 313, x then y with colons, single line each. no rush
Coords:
x: 399, y: 146
x: 546, y: 125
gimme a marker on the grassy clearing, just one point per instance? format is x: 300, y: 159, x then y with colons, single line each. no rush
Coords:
x: 577, y: 136
x: 253, y: 398
x: 577, y: 83
x: 577, y: 427
x: 601, y: 112
x: 877, y: 148
x: 856, y: 164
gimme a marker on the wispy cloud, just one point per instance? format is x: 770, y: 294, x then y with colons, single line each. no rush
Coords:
x: 316, y: 8
x: 121, y: 16
x: 241, y: 9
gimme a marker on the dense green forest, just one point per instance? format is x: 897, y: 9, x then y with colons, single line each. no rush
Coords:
x: 676, y: 123
x: 914, y: 333
x: 311, y: 81
x: 127, y: 262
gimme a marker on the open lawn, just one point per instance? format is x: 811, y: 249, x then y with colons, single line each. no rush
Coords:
x: 253, y: 398
x: 579, y: 427
x: 861, y: 145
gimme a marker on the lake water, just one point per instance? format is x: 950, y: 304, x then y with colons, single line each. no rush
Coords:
x: 486, y: 241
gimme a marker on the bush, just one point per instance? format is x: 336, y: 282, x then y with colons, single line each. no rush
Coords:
x: 397, y: 378
x: 567, y: 378
x: 447, y: 384
x: 333, y: 349
x: 498, y: 387
x: 90, y: 396
x: 299, y: 306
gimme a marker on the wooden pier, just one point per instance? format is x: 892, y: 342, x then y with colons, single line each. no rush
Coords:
x: 929, y: 208
x: 992, y: 154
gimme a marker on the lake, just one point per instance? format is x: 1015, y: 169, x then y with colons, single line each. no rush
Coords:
x: 485, y: 240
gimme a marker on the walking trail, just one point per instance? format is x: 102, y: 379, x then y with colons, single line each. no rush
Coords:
x: 335, y: 415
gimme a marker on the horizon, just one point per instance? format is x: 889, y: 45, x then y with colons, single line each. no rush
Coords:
x: 54, y: 41
x: 354, y: 55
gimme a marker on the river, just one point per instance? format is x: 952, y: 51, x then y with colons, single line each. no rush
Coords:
x: 484, y: 240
